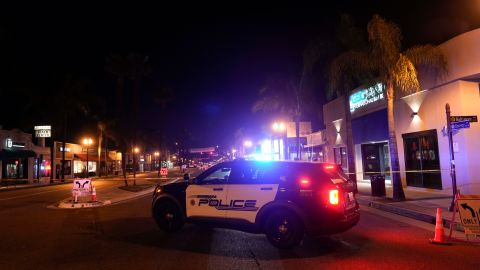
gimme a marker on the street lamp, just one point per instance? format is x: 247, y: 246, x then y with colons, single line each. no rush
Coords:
x: 279, y: 128
x: 157, y: 154
x: 87, y: 142
x: 246, y: 144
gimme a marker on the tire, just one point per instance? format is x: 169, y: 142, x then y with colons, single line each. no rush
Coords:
x: 168, y: 216
x: 284, y: 229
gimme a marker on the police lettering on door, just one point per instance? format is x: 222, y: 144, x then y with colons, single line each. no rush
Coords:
x: 235, y: 205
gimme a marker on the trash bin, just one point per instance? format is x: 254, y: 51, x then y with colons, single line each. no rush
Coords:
x: 377, y: 181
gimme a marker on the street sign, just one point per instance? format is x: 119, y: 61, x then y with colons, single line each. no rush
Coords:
x: 163, y: 171
x: 82, y: 186
x: 469, y: 209
x: 460, y: 125
x: 469, y: 118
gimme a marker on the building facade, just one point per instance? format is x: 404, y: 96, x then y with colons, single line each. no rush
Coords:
x: 21, y: 159
x: 108, y: 162
x: 420, y: 125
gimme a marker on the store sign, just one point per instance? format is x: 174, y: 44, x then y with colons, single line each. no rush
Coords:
x: 365, y: 97
x: 43, y: 131
x: 11, y: 144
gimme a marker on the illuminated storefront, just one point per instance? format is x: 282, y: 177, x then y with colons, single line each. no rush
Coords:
x: 420, y: 120
x: 20, y: 158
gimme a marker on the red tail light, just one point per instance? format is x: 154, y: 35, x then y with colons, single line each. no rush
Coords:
x: 333, y: 197
x: 329, y: 167
x: 304, y: 183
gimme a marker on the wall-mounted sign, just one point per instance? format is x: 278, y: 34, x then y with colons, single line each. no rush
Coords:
x: 43, y: 131
x: 9, y: 143
x: 366, y: 96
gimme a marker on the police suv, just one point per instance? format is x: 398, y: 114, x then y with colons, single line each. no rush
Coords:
x: 283, y: 199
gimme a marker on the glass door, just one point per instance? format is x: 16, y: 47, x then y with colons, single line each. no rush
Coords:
x: 422, y: 160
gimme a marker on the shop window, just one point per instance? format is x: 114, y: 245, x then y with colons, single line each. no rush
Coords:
x: 375, y: 159
x: 422, y: 160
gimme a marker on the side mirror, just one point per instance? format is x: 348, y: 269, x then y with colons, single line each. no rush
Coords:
x: 186, y: 177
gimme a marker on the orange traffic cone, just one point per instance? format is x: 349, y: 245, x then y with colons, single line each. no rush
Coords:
x: 94, y: 195
x: 439, y: 232
x: 75, y: 197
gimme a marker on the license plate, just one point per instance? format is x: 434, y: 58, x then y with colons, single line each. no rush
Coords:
x: 351, y: 197
x: 350, y: 200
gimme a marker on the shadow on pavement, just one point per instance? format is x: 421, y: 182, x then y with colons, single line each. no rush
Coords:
x: 219, y: 242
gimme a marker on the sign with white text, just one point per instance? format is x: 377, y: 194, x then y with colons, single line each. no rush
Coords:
x: 365, y: 97
x: 43, y: 131
x: 460, y: 125
x: 469, y: 118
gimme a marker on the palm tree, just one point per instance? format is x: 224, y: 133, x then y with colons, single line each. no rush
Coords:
x: 133, y: 67
x: 291, y: 98
x: 71, y: 98
x: 398, y: 71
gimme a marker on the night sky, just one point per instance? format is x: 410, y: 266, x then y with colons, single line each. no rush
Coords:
x: 215, y: 58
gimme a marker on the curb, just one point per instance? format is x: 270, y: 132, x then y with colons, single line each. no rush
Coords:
x: 409, y: 213
x: 70, y: 205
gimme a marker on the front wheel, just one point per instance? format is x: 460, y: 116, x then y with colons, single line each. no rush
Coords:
x: 284, y: 229
x: 168, y: 216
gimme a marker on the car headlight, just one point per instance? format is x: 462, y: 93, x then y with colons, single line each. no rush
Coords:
x: 157, y: 190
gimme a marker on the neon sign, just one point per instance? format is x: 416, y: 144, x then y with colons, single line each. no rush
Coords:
x: 366, y: 96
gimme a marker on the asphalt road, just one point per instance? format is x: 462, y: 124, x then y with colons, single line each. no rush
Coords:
x: 124, y: 236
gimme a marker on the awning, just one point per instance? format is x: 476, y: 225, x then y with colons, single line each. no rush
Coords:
x: 83, y: 157
x: 6, y: 154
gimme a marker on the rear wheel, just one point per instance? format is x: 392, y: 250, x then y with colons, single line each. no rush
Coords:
x: 284, y: 229
x: 168, y: 216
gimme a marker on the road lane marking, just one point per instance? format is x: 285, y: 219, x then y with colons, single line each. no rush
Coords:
x: 30, y: 194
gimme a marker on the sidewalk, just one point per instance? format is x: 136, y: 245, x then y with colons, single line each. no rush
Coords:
x: 419, y: 204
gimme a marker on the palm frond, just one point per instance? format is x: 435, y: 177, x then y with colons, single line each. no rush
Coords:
x: 429, y: 58
x: 405, y: 75
x: 346, y: 71
x: 385, y: 41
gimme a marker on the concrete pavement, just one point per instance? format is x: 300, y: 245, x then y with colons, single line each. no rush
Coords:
x: 420, y: 204
x: 116, y: 194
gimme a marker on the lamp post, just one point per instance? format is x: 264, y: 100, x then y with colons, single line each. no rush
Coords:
x: 136, y: 150
x: 87, y: 142
x: 279, y: 128
x: 157, y: 154
x: 246, y: 144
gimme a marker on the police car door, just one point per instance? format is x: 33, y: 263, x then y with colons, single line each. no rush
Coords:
x: 205, y: 197
x: 247, y: 192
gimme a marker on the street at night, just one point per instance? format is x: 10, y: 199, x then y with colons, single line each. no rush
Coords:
x: 124, y: 236
x: 339, y: 135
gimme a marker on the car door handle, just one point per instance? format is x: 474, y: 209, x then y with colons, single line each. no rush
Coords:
x: 217, y: 189
x: 266, y: 188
